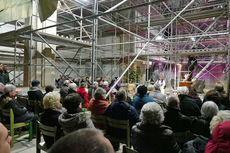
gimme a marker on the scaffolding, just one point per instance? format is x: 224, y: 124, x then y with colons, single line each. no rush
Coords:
x: 137, y: 30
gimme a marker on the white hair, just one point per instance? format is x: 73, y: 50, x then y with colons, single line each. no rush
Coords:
x: 182, y: 90
x: 220, y: 117
x: 72, y: 85
x: 100, y: 93
x: 51, y: 100
x: 106, y: 83
x: 66, y: 82
x: 209, y: 109
x: 8, y: 88
x: 151, y: 113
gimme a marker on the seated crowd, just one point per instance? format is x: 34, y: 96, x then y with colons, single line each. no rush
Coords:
x: 155, y: 121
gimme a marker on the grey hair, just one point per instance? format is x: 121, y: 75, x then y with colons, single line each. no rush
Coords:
x: 100, y: 93
x: 66, y: 82
x: 151, y: 113
x: 173, y: 101
x: 8, y: 88
x: 220, y: 117
x: 209, y: 109
x: 72, y: 85
x: 182, y: 90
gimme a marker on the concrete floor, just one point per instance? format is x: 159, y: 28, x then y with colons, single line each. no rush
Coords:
x: 23, y: 146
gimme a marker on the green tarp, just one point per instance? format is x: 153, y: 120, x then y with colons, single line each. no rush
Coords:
x: 18, y: 9
x: 15, y: 9
x: 46, y: 8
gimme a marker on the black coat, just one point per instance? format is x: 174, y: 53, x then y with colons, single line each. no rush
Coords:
x: 20, y: 113
x: 196, y: 145
x: 188, y: 106
x: 35, y: 94
x: 200, y: 126
x: 153, y: 139
x: 50, y: 118
x: 177, y: 121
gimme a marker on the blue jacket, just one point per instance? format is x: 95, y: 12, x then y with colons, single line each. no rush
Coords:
x: 138, y: 101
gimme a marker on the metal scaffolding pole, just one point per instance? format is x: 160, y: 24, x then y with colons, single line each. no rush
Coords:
x: 30, y: 51
x: 56, y: 52
x: 147, y: 68
x: 228, y: 82
x: 204, y: 69
x: 93, y: 44
x: 146, y: 44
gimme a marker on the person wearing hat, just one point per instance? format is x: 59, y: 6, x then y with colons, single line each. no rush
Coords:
x: 141, y: 98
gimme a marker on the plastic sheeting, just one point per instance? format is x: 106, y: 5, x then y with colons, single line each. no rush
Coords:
x: 15, y: 9
x: 46, y: 8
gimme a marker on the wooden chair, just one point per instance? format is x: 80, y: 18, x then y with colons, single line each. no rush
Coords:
x: 8, y: 115
x: 128, y: 150
x: 183, y: 137
x: 50, y: 131
x: 99, y: 121
x: 120, y: 125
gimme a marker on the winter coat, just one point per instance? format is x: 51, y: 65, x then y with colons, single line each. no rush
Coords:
x: 81, y: 91
x: 111, y: 94
x: 64, y: 91
x: 50, y: 118
x: 157, y: 96
x: 139, y: 101
x: 196, y: 145
x: 196, y: 99
x: 98, y: 106
x: 20, y: 113
x: 177, y: 121
x: 121, y: 111
x: 220, y: 142
x: 35, y: 94
x: 74, y: 122
x: 6, y: 78
x: 188, y: 106
x: 1, y: 77
x: 200, y: 126
x: 153, y: 139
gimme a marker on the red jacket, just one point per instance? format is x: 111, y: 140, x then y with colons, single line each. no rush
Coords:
x: 98, y: 106
x: 220, y: 142
x: 81, y: 91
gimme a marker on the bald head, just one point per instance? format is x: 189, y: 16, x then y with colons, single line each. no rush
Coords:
x: 83, y: 141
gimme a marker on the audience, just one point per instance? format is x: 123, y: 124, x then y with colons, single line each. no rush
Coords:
x: 72, y: 88
x: 82, y: 92
x: 220, y: 88
x: 193, y: 95
x: 200, y: 125
x: 157, y: 95
x: 149, y: 135
x: 83, y: 141
x: 187, y: 105
x: 220, y: 117
x: 174, y: 118
x: 1, y: 89
x: 98, y: 104
x: 4, y: 140
x: 21, y: 114
x: 121, y: 110
x: 64, y: 90
x: 213, y: 95
x: 35, y: 93
x: 1, y: 74
x: 141, y: 98
x: 74, y: 118
x: 49, y: 117
x: 48, y: 89
x: 220, y: 142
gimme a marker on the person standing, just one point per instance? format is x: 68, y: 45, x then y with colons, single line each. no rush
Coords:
x: 162, y: 84
x: 1, y: 74
x: 5, y: 75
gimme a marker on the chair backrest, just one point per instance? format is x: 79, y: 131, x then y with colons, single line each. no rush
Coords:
x: 48, y: 130
x: 23, y: 100
x: 183, y: 137
x: 99, y: 121
x: 7, y: 115
x: 36, y: 105
x: 120, y: 125
x: 128, y: 150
